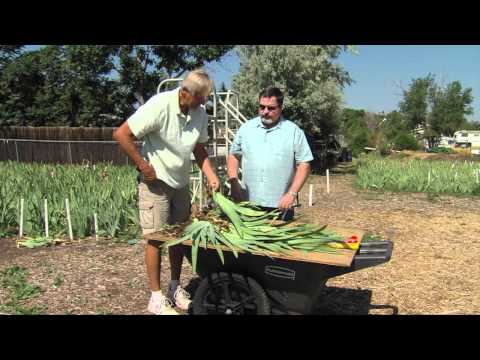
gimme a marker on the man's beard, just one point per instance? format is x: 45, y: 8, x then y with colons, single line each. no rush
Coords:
x: 266, y: 121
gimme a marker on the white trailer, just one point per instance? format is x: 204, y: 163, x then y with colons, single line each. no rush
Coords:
x: 468, y: 139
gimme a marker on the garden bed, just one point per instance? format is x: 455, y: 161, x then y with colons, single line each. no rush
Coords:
x: 434, y: 247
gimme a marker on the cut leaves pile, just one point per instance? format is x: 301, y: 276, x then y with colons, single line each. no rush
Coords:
x: 250, y: 229
x: 34, y: 242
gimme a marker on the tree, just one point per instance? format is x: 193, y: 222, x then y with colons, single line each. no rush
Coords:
x: 414, y: 105
x: 142, y: 67
x: 8, y: 53
x: 57, y: 85
x: 405, y: 141
x: 439, y: 110
x: 307, y: 75
x: 362, y: 128
x: 471, y: 125
x: 85, y: 85
x: 394, y: 124
x: 355, y: 129
x: 19, y: 84
x: 450, y: 105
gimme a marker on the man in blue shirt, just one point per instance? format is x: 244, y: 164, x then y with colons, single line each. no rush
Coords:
x: 275, y: 157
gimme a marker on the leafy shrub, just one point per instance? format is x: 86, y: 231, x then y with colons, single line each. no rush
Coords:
x: 441, y: 149
x: 405, y: 141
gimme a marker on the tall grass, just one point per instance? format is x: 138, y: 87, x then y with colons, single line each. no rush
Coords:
x: 436, y: 177
x: 104, y: 189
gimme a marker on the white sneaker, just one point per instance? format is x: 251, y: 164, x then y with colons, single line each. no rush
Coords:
x: 180, y: 298
x: 161, y: 306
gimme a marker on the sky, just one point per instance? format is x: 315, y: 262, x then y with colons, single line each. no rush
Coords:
x: 381, y: 71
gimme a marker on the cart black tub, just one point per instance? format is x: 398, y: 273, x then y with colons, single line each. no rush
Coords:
x: 258, y: 284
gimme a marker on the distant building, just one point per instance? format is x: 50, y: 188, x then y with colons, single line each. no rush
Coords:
x: 446, y: 141
x: 468, y: 139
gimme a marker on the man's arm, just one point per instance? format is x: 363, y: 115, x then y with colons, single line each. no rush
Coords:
x: 126, y: 139
x: 233, y: 164
x: 301, y: 175
x: 203, y: 162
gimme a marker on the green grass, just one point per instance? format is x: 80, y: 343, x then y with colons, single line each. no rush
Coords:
x: 368, y: 237
x: 103, y: 312
x: 441, y: 150
x: 58, y: 281
x: 14, y: 280
x: 431, y: 177
x: 107, y: 190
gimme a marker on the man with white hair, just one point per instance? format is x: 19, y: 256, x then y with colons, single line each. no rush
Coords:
x: 172, y: 124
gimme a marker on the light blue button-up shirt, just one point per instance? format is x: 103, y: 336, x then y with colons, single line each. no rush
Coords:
x: 269, y: 158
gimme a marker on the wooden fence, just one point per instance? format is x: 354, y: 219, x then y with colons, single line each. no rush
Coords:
x: 61, y: 145
x: 56, y: 133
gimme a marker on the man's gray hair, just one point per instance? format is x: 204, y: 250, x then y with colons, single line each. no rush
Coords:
x: 198, y: 82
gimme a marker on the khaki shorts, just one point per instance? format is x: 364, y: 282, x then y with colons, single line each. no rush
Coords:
x: 160, y: 204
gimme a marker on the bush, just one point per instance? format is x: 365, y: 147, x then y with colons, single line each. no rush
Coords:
x: 405, y: 141
x: 384, y: 149
x: 359, y: 141
x: 441, y: 149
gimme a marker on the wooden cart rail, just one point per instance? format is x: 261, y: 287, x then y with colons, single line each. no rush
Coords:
x: 343, y: 257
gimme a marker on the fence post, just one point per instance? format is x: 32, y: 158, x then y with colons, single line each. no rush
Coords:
x: 16, y: 150
x: 70, y: 152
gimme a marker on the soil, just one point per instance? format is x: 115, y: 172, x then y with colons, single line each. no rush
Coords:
x: 433, y: 269
x: 457, y: 156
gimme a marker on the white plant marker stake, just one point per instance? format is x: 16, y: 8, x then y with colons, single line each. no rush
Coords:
x: 69, y: 221
x: 200, y: 187
x: 96, y: 225
x: 195, y: 190
x: 20, y: 234
x: 328, y: 181
x: 46, y: 218
x: 310, y: 194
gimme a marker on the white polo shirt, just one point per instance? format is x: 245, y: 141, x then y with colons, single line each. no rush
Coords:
x: 169, y: 136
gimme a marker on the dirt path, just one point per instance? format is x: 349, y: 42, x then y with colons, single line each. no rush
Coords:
x: 433, y: 269
x: 86, y: 277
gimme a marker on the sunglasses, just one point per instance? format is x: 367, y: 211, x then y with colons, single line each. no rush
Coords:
x: 270, y: 108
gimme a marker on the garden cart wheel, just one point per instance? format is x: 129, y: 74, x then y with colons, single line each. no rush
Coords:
x: 230, y: 294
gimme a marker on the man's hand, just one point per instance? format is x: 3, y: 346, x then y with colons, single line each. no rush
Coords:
x: 214, y: 183
x: 148, y: 173
x: 236, y: 191
x: 286, y: 202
